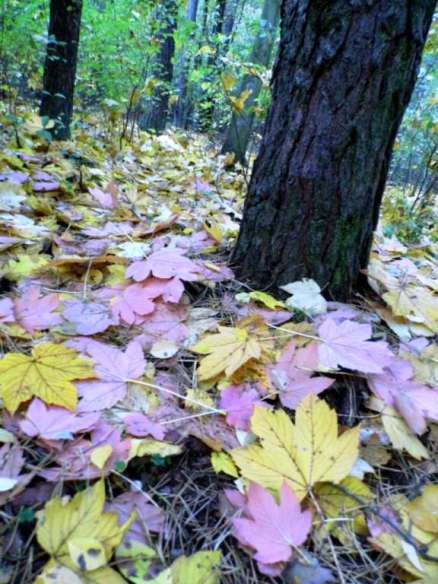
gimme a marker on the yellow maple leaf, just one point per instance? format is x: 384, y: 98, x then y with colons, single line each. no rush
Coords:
x: 55, y: 573
x: 24, y: 266
x: 415, y: 303
x: 77, y: 534
x: 238, y: 103
x: 226, y: 352
x: 222, y: 462
x: 302, y: 454
x: 407, y: 553
x: 47, y: 374
x: 424, y: 509
x: 347, y: 501
x: 200, y: 568
x: 401, y: 436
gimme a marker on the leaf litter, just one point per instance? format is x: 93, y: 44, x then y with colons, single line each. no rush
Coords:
x: 161, y: 422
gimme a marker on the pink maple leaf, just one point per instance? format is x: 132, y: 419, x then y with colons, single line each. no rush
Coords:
x: 35, y: 313
x: 104, y: 198
x: 170, y: 290
x: 239, y: 405
x: 140, y: 425
x: 74, y: 458
x: 132, y: 305
x: 273, y: 531
x: 347, y: 344
x: 11, y: 464
x: 415, y: 402
x: 53, y: 423
x: 88, y: 318
x: 149, y: 518
x: 292, y: 375
x: 164, y: 324
x: 113, y: 368
x: 6, y: 310
x: 166, y: 263
x: 111, y: 228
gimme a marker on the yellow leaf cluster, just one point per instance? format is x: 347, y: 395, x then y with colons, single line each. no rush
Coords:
x: 424, y: 509
x: 348, y: 500
x: 200, y: 568
x: 302, y: 454
x: 226, y: 352
x: 78, y: 535
x: 47, y: 373
x: 410, y: 554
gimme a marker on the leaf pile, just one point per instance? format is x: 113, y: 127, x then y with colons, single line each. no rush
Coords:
x: 127, y: 345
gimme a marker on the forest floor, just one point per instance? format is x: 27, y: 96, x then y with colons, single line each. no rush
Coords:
x: 143, y: 380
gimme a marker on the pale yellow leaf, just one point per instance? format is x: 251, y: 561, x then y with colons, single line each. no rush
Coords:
x: 226, y: 352
x: 401, y: 436
x: 303, y: 454
x: 100, y: 455
x: 66, y: 527
x: 48, y: 374
x: 423, y: 510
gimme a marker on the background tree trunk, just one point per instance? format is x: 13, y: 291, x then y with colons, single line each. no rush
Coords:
x: 207, y: 103
x: 182, y: 106
x: 241, y: 124
x: 156, y: 115
x: 60, y: 65
x: 343, y: 78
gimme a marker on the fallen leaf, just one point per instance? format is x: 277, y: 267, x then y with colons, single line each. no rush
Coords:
x: 48, y: 374
x: 347, y: 344
x: 78, y: 534
x: 113, y: 368
x: 226, y: 352
x: 52, y: 423
x: 35, y: 312
x: 305, y: 296
x: 423, y: 510
x: 292, y: 375
x: 88, y: 318
x: 302, y: 454
x: 166, y: 263
x: 239, y: 404
x: 274, y: 531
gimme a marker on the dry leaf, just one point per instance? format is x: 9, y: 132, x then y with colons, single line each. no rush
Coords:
x: 47, y: 374
x: 302, y: 454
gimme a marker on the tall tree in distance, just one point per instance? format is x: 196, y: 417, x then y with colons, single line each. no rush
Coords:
x: 60, y: 65
x: 181, y: 109
x: 343, y: 78
x: 156, y: 114
x: 239, y: 130
x: 219, y: 42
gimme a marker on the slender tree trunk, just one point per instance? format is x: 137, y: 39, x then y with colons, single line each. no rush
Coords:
x: 241, y: 124
x: 156, y: 115
x: 60, y: 65
x: 229, y: 21
x: 181, y: 109
x: 343, y: 78
x: 207, y: 103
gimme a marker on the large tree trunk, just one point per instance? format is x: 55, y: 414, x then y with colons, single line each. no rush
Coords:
x: 181, y: 110
x: 60, y: 65
x: 343, y: 78
x: 241, y: 124
x: 158, y: 110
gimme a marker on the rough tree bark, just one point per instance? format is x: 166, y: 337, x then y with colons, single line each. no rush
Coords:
x: 60, y: 65
x: 343, y: 78
x: 181, y: 109
x: 240, y: 128
x: 156, y: 115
